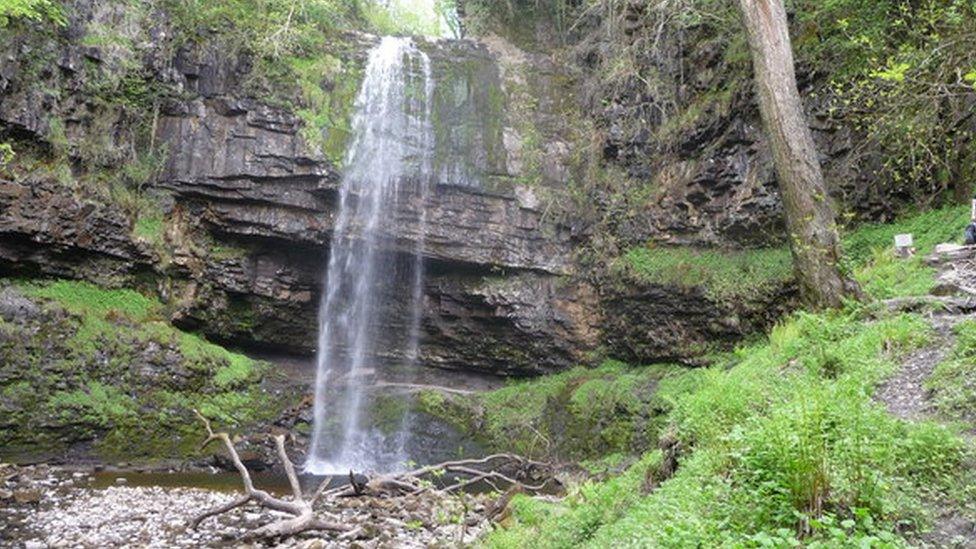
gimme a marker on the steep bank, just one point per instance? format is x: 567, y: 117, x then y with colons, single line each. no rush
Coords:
x: 796, y: 440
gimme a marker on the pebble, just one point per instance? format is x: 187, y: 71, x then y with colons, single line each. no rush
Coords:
x: 27, y: 496
x: 76, y: 515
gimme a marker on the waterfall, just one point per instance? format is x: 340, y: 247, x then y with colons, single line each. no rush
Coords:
x: 387, y: 162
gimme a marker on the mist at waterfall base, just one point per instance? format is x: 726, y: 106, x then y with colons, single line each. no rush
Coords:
x: 387, y: 166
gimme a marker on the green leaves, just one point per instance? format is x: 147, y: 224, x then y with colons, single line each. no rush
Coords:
x: 33, y: 10
x: 894, y: 72
x: 971, y: 78
x: 6, y: 153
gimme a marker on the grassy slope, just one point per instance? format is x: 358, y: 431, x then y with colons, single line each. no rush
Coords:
x: 730, y: 275
x: 953, y: 384
x: 599, y: 415
x: 783, y: 442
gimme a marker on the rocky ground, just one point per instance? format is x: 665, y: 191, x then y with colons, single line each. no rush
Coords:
x: 904, y: 393
x: 50, y: 507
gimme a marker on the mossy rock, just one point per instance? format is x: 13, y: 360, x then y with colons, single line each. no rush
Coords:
x: 106, y: 374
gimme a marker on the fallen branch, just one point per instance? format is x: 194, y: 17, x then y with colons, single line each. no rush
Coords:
x: 465, y: 473
x: 303, y: 518
x: 507, y: 473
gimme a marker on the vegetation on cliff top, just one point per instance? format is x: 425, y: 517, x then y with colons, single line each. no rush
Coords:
x: 734, y: 275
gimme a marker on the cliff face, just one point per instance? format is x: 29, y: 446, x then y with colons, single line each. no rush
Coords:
x: 247, y: 204
x: 242, y: 196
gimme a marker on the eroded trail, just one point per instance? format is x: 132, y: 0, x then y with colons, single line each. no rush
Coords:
x: 906, y: 396
x: 904, y: 393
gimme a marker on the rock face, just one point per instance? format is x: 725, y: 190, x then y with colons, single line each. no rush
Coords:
x: 683, y: 115
x: 46, y: 230
x: 240, y: 172
x: 249, y: 203
x: 88, y: 385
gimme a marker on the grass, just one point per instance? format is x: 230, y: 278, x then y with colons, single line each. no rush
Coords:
x: 733, y: 275
x: 104, y: 311
x: 724, y: 275
x: 782, y: 443
x: 89, y: 300
x: 578, y: 414
x: 868, y: 252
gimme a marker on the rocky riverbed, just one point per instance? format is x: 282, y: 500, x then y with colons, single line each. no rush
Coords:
x: 51, y: 507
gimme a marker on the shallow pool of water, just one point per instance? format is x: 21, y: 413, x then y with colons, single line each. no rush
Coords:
x: 222, y: 482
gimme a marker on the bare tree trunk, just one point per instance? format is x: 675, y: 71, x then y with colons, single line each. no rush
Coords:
x: 809, y: 215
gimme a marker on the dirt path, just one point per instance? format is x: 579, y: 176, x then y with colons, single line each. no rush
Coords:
x: 905, y: 397
x: 904, y: 392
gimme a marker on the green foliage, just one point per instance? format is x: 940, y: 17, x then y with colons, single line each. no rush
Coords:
x: 579, y: 414
x: 97, y: 404
x: 734, y: 275
x: 724, y: 275
x: 929, y: 228
x: 524, y: 22
x: 953, y: 383
x: 415, y: 17
x: 887, y: 60
x: 868, y: 252
x: 784, y: 439
x: 86, y: 299
x: 6, y: 153
x: 578, y: 517
x: 33, y: 10
x: 149, y: 227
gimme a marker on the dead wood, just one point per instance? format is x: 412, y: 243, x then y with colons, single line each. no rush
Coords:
x: 303, y: 517
x: 508, y: 473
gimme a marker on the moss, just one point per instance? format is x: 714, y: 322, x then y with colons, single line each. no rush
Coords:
x: 221, y: 252
x: 328, y: 87
x: 114, y: 372
x: 459, y: 411
x: 735, y: 275
x: 583, y: 413
x: 85, y: 298
x: 724, y: 275
x: 97, y: 404
x: 386, y: 411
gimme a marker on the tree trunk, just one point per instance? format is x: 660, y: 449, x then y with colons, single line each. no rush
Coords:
x: 809, y: 215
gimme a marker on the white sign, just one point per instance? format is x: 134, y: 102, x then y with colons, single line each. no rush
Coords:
x: 903, y: 241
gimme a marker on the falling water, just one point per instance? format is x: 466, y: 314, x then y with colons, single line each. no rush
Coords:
x: 388, y: 160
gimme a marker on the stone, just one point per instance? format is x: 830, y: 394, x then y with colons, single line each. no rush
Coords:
x: 25, y: 496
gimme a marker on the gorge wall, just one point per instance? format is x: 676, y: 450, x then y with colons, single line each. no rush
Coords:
x: 159, y: 156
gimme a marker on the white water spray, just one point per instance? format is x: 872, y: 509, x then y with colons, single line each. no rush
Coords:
x: 388, y: 159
